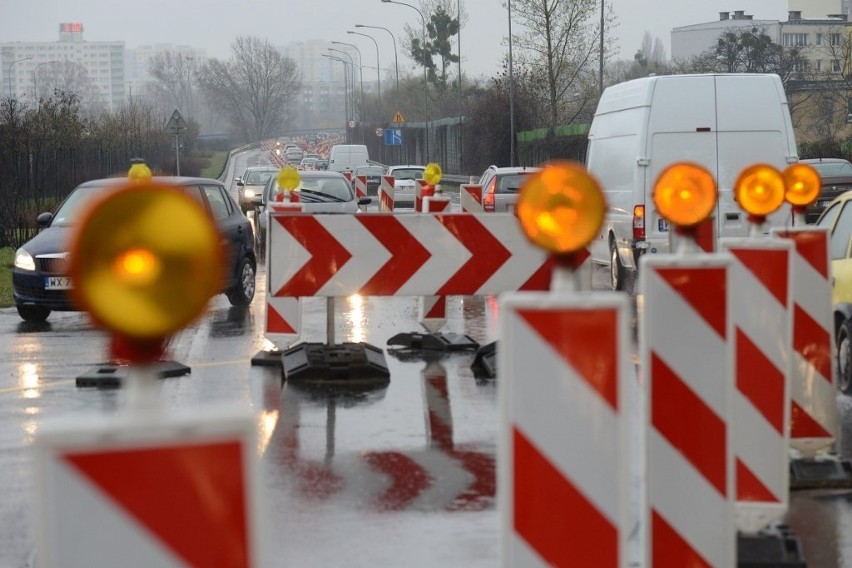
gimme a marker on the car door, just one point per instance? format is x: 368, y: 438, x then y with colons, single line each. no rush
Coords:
x: 838, y: 250
x: 233, y: 226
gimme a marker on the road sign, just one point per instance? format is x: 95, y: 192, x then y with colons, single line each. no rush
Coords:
x: 398, y: 118
x: 351, y: 124
x: 176, y: 123
x: 393, y: 136
x: 379, y: 132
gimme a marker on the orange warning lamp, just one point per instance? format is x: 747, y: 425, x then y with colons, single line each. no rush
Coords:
x: 561, y: 208
x: 685, y: 194
x: 759, y: 190
x: 803, y: 184
x: 432, y: 173
x: 145, y: 260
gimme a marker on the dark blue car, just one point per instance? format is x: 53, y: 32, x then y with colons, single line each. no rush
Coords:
x: 40, y: 279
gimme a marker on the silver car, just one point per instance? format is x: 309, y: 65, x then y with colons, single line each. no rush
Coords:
x: 319, y: 192
x: 501, y: 187
x: 251, y: 183
x: 405, y: 183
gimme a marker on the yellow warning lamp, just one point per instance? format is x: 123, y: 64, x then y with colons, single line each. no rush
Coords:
x: 803, y: 184
x: 145, y: 260
x: 684, y: 195
x: 759, y: 190
x: 432, y: 173
x: 561, y: 208
x: 289, y: 178
x: 139, y: 173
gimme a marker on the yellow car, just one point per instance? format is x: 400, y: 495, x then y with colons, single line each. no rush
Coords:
x: 837, y: 218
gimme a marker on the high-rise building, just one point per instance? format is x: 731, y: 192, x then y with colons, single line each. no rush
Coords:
x: 101, y: 62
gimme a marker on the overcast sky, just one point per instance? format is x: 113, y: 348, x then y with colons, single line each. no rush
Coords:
x: 213, y: 24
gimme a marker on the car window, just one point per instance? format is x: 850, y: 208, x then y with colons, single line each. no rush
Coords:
x: 839, y: 241
x: 371, y: 171
x: 219, y: 206
x: 257, y: 177
x: 827, y: 218
x: 833, y: 168
x: 408, y: 173
x: 510, y: 183
x: 336, y: 187
x: 76, y: 203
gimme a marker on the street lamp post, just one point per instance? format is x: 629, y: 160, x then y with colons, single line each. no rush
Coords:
x: 360, y: 72
x: 378, y: 66
x: 352, y: 83
x: 511, y: 95
x: 9, y: 72
x: 395, y: 57
x: 35, y: 82
x: 601, y: 55
x: 345, y: 90
x: 425, y: 71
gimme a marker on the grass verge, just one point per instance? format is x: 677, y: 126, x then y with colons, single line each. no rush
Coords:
x: 7, y: 256
x: 215, y: 166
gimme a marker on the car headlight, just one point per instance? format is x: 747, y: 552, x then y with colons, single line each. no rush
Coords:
x: 24, y: 260
x: 249, y: 193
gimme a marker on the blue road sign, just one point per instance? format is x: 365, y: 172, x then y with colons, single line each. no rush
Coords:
x: 393, y: 136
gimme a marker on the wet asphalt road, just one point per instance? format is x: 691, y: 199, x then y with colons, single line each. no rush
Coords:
x: 359, y: 479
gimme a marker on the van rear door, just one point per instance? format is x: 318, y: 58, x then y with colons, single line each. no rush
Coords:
x: 681, y: 128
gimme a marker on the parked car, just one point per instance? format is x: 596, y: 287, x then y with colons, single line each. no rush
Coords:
x: 836, y: 174
x: 321, y: 165
x: 405, y: 183
x: 837, y: 218
x: 319, y: 192
x: 374, y: 177
x: 308, y: 163
x: 39, y: 279
x: 501, y: 187
x: 251, y: 183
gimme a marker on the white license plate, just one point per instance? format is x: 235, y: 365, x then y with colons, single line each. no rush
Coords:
x: 57, y: 283
x: 662, y: 225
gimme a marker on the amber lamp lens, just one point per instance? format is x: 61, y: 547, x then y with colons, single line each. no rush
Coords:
x: 685, y: 194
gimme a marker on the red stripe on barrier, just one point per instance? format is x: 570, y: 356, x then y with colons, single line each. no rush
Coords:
x: 704, y: 289
x: 750, y: 488
x: 674, y: 405
x: 553, y: 517
x: 766, y: 265
x: 803, y: 426
x: 480, y: 494
x: 410, y: 479
x: 488, y: 252
x: 811, y: 246
x: 542, y: 277
x: 407, y: 255
x: 760, y: 381
x: 327, y: 256
x: 580, y: 337
x: 438, y: 309
x: 192, y: 497
x: 275, y: 323
x: 812, y: 342
x: 669, y: 550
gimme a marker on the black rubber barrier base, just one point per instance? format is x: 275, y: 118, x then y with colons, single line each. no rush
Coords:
x: 343, y: 364
x: 270, y: 358
x: 778, y: 549
x: 485, y: 362
x: 434, y: 341
x: 111, y: 376
x: 820, y: 474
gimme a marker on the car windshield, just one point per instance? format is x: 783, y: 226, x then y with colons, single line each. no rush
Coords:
x: 371, y: 171
x: 833, y: 168
x: 335, y: 187
x: 256, y: 177
x: 511, y: 183
x: 408, y: 173
x: 77, y: 202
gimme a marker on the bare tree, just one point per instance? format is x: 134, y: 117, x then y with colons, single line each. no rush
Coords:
x: 560, y: 46
x: 174, y: 74
x: 67, y: 76
x: 253, y: 88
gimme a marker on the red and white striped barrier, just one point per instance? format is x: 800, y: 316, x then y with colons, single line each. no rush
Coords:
x: 562, y: 450
x: 421, y: 190
x: 761, y: 310
x: 470, y: 198
x: 148, y: 489
x: 814, y: 422
x: 436, y: 204
x: 386, y: 194
x: 360, y: 189
x: 687, y: 361
x: 385, y: 255
x: 704, y: 236
x: 432, y: 310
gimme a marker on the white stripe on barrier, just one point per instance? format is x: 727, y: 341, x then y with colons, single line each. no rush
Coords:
x: 687, y: 360
x: 760, y: 306
x: 562, y: 476
x: 470, y: 198
x: 386, y: 194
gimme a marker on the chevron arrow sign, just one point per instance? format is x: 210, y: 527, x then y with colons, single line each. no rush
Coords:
x: 408, y: 255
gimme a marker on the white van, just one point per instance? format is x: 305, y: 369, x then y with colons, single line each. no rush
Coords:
x: 345, y: 157
x: 723, y: 122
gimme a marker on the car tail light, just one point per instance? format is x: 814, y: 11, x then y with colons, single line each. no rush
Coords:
x: 488, y: 198
x: 639, y: 223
